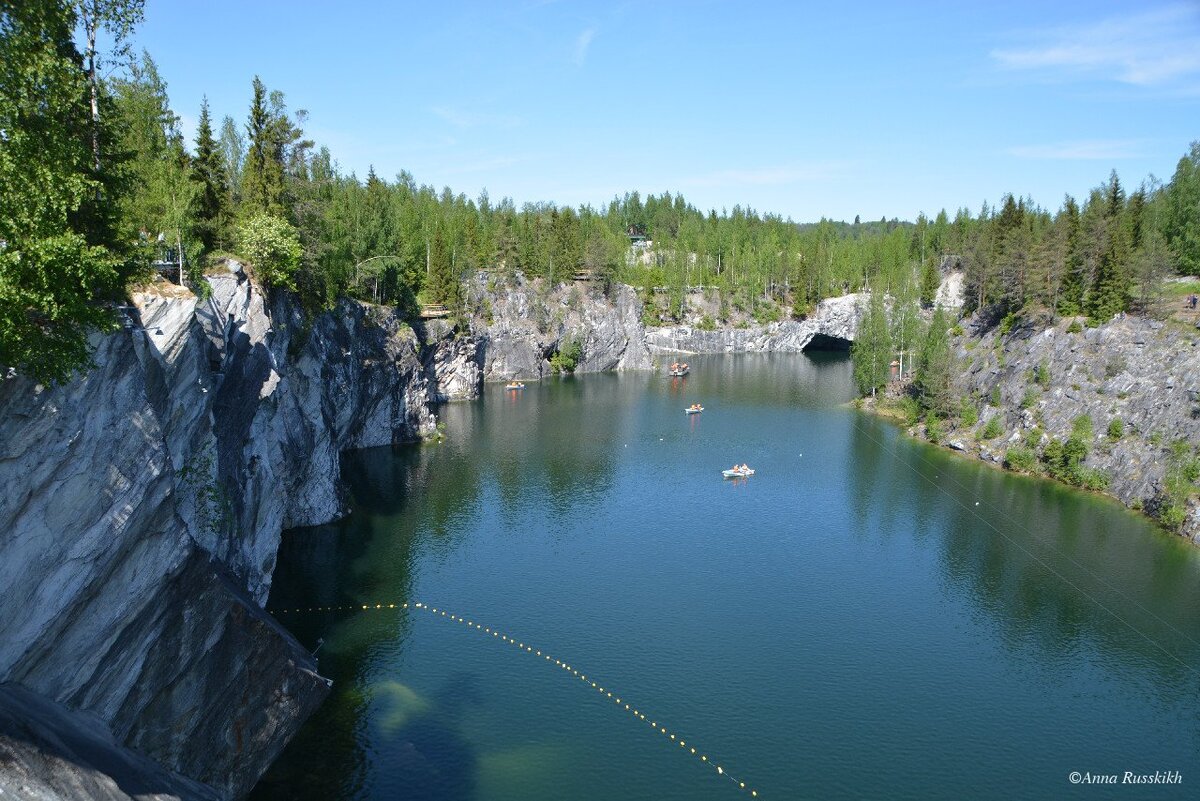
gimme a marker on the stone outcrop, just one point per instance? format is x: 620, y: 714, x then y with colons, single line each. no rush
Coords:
x: 1142, y: 372
x: 453, y: 362
x: 834, y: 319
x: 51, y: 753
x: 525, y: 323
x: 143, y: 506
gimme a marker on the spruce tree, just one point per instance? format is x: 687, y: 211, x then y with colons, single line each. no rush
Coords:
x: 262, y: 174
x: 935, y: 368
x: 1070, y: 298
x: 208, y: 171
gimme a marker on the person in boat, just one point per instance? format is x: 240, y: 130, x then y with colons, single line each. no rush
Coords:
x: 745, y: 468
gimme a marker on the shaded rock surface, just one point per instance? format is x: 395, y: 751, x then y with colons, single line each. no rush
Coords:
x: 143, y: 506
x: 51, y: 753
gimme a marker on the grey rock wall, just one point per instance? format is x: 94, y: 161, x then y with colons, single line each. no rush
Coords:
x: 528, y: 322
x: 836, y: 318
x: 1143, y: 372
x: 143, y: 507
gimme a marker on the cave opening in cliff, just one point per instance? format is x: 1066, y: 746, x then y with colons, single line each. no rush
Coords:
x: 826, y: 342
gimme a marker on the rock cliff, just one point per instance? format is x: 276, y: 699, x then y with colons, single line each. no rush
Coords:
x: 522, y: 324
x: 143, y: 506
x: 1039, y: 378
x: 834, y: 321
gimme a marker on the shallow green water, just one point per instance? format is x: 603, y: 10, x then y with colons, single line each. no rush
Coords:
x: 847, y: 623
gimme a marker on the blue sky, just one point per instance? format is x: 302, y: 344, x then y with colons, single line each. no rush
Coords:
x: 878, y: 109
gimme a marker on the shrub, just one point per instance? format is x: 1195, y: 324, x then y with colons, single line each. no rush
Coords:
x: 933, y: 429
x: 1033, y: 437
x: 272, y: 247
x: 1116, y: 429
x: 1021, y: 459
x: 1006, y: 324
x: 1082, y: 426
x: 993, y: 429
x: 996, y: 395
x: 1041, y: 374
x: 707, y: 323
x: 567, y: 358
x: 957, y: 331
x: 1075, y: 327
x: 968, y: 413
x: 1029, y: 398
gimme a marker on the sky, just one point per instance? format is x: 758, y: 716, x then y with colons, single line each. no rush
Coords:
x: 871, y: 109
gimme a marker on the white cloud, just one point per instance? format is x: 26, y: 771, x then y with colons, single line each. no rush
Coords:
x: 465, y: 118
x: 1080, y: 150
x: 582, y: 43
x: 1151, y: 48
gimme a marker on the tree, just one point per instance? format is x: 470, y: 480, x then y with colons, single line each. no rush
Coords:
x: 262, y: 173
x: 872, y: 348
x: 935, y: 368
x: 232, y: 146
x: 212, y: 190
x: 931, y: 279
x: 1181, y: 223
x: 117, y: 18
x: 53, y: 269
x: 272, y: 247
x: 443, y: 287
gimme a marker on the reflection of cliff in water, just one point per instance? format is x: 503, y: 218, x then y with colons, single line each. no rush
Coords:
x: 1030, y: 577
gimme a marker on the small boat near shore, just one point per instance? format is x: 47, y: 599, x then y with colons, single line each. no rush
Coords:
x: 694, y: 409
x: 514, y: 385
x: 737, y: 472
x: 678, y: 369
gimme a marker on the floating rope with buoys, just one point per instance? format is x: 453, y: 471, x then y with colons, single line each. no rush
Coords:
x: 622, y: 703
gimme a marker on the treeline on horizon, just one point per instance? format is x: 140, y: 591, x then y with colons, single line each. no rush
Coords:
x: 93, y: 169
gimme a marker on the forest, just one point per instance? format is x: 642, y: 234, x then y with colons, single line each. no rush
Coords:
x: 97, y: 180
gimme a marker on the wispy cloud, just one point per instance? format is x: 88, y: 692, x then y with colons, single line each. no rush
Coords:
x: 767, y: 176
x: 1152, y: 48
x: 582, y: 42
x: 466, y: 118
x: 1081, y: 150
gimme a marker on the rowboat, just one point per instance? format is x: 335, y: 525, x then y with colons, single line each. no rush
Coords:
x: 696, y: 410
x: 677, y: 373
x: 737, y: 473
x: 514, y: 385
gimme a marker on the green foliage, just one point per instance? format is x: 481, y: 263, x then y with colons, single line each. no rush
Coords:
x: 57, y: 255
x: 994, y: 397
x: 1006, y: 325
x: 1021, y: 459
x: 872, y: 348
x: 1030, y: 398
x: 272, y: 247
x: 931, y: 279
x: 1116, y: 429
x: 934, y: 430
x: 1033, y: 437
x: 992, y: 429
x: 1182, y: 218
x: 212, y: 188
x: 1082, y: 427
x: 935, y: 368
x: 1041, y: 374
x: 1075, y: 327
x: 570, y: 351
x: 968, y: 413
x: 707, y: 323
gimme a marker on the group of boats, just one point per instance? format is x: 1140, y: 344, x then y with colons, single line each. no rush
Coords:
x: 737, y: 471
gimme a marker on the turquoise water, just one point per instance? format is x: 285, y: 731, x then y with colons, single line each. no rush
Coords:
x: 866, y: 617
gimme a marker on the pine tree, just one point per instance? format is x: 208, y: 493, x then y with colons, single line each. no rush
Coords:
x: 872, y: 348
x: 208, y: 171
x: 1070, y: 297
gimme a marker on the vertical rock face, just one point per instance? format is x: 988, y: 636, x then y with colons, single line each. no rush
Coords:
x: 528, y: 322
x: 452, y: 363
x: 834, y: 319
x: 143, y: 506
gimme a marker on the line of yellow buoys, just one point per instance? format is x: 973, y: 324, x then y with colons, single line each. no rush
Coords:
x: 622, y: 703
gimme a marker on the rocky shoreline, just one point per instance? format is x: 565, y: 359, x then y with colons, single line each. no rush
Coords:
x: 1135, y: 380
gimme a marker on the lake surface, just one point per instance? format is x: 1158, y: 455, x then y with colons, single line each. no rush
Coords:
x: 866, y: 617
